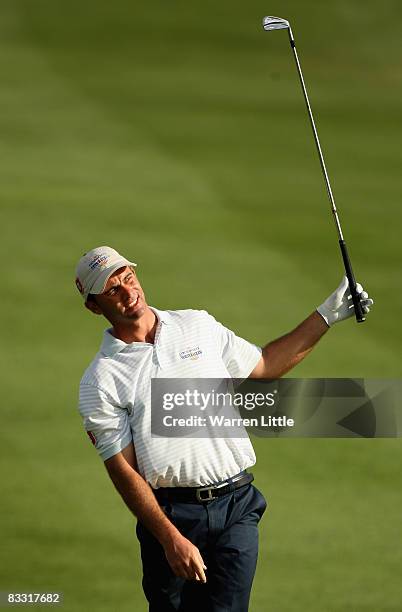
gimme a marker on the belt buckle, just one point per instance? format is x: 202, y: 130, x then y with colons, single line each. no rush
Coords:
x: 208, y: 490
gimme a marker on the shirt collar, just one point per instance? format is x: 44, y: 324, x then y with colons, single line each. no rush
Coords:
x: 163, y: 316
x: 111, y: 345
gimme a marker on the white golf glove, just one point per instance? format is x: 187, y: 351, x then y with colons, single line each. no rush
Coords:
x: 339, y: 306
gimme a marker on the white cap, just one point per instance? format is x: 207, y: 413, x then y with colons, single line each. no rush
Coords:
x: 95, y: 267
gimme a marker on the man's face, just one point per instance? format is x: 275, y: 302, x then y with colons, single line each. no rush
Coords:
x: 122, y: 299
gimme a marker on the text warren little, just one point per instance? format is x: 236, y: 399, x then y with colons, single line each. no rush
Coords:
x: 222, y: 421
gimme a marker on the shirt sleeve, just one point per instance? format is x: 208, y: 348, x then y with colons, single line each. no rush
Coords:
x: 239, y: 355
x: 106, y: 424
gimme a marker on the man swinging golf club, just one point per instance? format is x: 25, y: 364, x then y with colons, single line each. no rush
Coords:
x: 197, y: 510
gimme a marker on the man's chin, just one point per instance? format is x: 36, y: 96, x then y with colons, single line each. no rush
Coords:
x: 135, y: 313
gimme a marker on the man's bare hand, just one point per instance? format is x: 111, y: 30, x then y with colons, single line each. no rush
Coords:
x: 185, y: 559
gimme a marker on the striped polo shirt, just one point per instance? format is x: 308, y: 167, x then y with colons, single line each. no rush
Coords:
x: 115, y: 398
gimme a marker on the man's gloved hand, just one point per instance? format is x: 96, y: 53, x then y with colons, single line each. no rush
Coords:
x: 339, y: 306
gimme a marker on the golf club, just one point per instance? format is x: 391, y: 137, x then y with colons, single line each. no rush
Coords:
x: 276, y: 23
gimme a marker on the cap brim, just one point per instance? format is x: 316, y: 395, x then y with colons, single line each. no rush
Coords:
x: 100, y: 283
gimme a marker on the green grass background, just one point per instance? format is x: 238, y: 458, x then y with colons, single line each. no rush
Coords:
x: 176, y: 132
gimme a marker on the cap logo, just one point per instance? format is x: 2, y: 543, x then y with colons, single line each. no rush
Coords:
x: 79, y: 286
x: 100, y: 260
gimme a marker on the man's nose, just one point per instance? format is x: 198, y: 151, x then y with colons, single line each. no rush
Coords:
x: 126, y: 290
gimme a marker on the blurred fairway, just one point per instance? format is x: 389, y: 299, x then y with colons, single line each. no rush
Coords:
x: 177, y: 133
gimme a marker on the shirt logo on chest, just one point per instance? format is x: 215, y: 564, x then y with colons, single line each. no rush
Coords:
x: 191, y: 353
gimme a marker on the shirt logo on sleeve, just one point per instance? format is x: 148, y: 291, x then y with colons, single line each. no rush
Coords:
x: 191, y: 353
x: 92, y: 437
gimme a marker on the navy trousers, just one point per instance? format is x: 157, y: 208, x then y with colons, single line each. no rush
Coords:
x: 226, y: 533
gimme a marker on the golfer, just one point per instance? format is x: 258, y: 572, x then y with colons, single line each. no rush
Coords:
x: 197, y: 511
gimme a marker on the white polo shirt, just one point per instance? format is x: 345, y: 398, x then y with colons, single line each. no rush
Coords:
x: 115, y: 398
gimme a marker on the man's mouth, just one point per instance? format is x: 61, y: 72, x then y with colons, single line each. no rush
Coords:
x: 133, y: 302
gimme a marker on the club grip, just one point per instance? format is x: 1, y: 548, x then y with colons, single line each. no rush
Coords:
x: 359, y: 313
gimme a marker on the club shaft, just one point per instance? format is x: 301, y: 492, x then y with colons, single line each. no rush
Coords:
x: 316, y: 139
x: 345, y: 256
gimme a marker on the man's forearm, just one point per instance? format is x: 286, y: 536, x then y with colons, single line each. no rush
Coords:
x: 140, y: 499
x: 182, y: 555
x: 282, y: 354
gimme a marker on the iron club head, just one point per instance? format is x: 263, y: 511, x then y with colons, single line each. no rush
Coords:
x: 275, y: 23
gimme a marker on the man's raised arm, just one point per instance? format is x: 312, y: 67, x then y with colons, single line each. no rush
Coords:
x: 281, y: 355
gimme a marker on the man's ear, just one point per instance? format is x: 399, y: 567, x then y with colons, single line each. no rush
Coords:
x: 93, y: 307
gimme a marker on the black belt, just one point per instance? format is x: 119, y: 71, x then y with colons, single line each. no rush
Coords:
x: 203, y: 494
